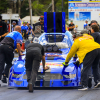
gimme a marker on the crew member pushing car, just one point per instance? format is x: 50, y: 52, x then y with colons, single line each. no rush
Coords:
x: 34, y: 54
x: 88, y: 52
x: 7, y: 46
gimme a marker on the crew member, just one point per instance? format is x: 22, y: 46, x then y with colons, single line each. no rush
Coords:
x: 3, y: 29
x: 13, y: 26
x: 95, y: 33
x: 88, y: 52
x: 34, y: 54
x: 24, y: 30
x: 86, y: 24
x: 94, y: 22
x: 71, y: 26
x: 7, y: 46
x: 38, y: 27
x: 29, y: 28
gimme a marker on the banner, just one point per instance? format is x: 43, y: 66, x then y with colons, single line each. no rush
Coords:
x: 74, y: 0
x: 84, y: 11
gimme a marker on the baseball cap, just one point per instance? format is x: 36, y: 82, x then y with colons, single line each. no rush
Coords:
x: 41, y: 17
x: 86, y: 20
x: 13, y: 22
x: 78, y: 35
x: 84, y: 31
x: 94, y: 21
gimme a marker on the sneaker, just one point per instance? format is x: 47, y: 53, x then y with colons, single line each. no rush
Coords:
x: 97, y: 85
x: 4, y: 80
x: 90, y: 82
x: 30, y: 87
x: 83, y: 88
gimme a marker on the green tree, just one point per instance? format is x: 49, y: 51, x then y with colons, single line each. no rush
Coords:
x: 3, y: 6
x: 41, y: 6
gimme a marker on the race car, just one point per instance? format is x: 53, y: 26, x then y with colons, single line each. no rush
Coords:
x: 56, y: 47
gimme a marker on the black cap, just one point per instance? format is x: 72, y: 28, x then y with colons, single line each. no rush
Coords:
x: 84, y: 31
x: 41, y: 17
x: 94, y: 21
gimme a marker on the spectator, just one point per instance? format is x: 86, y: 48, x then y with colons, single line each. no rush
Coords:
x: 8, y: 26
x: 88, y: 52
x: 71, y: 26
x: 95, y: 33
x: 24, y: 30
x: 34, y: 54
x: 94, y: 22
x: 76, y: 29
x: 39, y: 27
x: 7, y: 46
x: 3, y: 29
x: 13, y: 26
x: 86, y: 24
x: 30, y: 31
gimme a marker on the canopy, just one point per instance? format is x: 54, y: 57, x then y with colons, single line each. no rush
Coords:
x: 34, y: 19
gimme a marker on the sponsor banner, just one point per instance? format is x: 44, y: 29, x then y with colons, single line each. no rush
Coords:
x: 80, y: 16
x: 74, y: 0
x: 83, y: 5
x: 53, y: 65
x: 84, y: 11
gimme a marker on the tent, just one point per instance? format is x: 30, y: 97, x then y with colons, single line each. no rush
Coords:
x: 34, y: 19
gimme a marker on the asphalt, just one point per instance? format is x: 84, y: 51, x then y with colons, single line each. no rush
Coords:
x: 7, y: 93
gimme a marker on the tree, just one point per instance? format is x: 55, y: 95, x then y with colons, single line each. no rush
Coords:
x: 41, y: 6
x: 3, y: 6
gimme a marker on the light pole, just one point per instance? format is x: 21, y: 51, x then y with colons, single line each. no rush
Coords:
x: 30, y: 7
x: 52, y: 5
x: 19, y: 7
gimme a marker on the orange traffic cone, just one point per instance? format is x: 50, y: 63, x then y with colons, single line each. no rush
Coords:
x: 23, y: 46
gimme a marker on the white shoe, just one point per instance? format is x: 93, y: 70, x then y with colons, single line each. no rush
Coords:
x: 97, y: 85
x: 83, y: 89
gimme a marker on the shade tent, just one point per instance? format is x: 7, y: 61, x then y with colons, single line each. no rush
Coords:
x: 10, y: 16
x: 34, y: 19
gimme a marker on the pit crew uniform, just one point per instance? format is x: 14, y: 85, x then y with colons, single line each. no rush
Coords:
x: 3, y: 29
x: 24, y: 31
x: 88, y: 52
x: 85, y: 25
x: 29, y: 28
x: 7, y: 46
x: 34, y: 53
x: 96, y: 36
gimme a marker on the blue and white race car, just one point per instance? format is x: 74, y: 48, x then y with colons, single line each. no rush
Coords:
x: 56, y: 46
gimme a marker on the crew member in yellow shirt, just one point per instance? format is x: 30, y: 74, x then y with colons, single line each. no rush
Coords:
x: 88, y: 52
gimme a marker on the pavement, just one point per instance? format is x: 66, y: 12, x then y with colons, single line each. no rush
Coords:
x: 7, y: 93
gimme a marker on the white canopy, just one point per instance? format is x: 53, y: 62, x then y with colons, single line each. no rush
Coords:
x: 7, y: 16
x: 34, y: 19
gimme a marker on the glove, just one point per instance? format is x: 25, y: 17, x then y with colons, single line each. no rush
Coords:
x: 65, y: 64
x: 77, y: 63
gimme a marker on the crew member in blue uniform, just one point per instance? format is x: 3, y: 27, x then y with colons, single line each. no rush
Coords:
x: 7, y: 46
x: 24, y: 30
x: 29, y: 30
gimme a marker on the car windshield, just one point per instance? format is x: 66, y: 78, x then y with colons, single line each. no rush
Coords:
x: 51, y: 38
